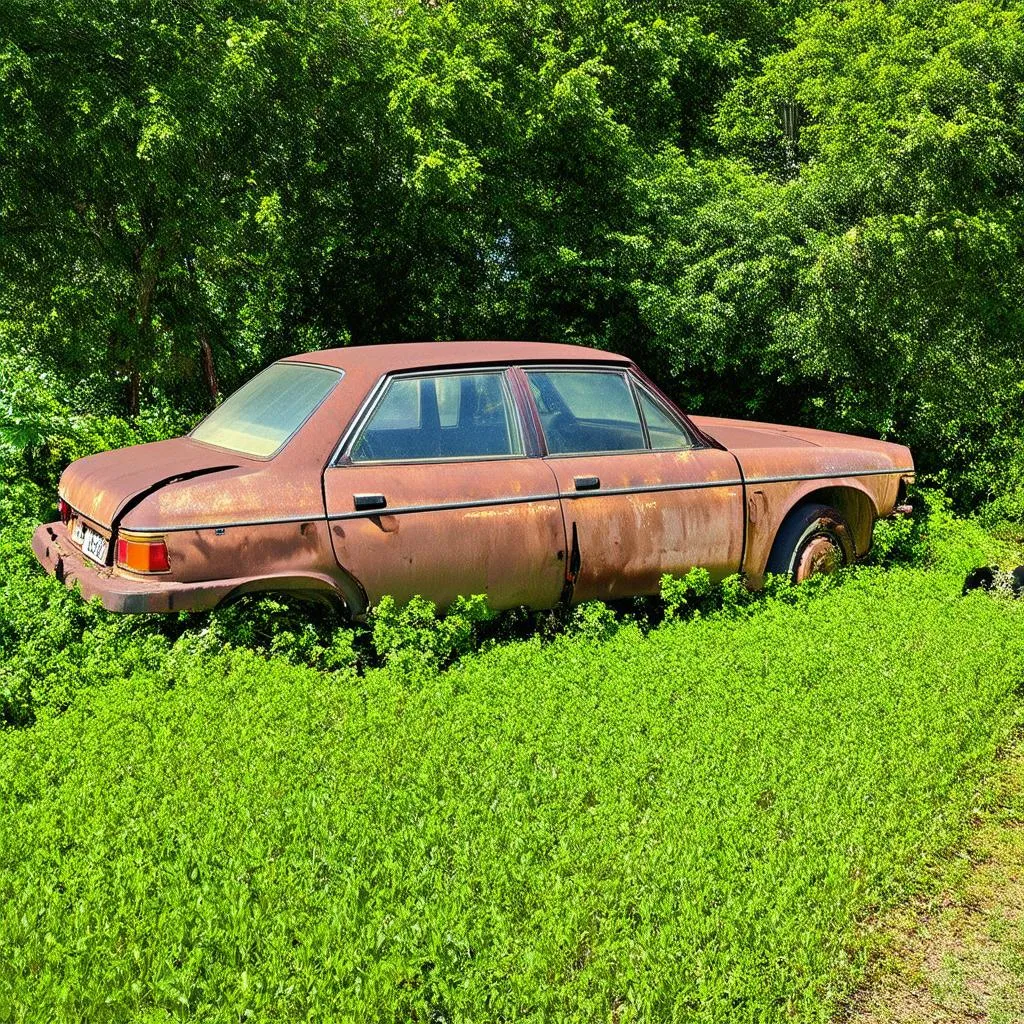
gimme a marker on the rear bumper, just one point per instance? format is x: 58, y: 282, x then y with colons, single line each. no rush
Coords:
x: 117, y: 593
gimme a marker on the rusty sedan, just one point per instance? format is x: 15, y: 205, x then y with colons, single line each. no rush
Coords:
x: 532, y: 473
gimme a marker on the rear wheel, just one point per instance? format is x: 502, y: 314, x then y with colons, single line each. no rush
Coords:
x: 813, y: 540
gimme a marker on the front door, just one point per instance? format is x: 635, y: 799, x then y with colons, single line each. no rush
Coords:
x: 641, y: 496
x: 436, y: 496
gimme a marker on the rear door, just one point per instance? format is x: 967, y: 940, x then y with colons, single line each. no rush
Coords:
x: 436, y: 494
x: 641, y: 495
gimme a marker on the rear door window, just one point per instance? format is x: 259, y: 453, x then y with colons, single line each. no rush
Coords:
x: 441, y: 416
x: 586, y: 411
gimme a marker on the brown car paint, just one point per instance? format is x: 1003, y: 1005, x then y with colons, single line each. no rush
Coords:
x: 517, y: 529
x: 650, y: 514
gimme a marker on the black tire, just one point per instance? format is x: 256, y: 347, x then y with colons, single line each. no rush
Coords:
x: 808, y: 533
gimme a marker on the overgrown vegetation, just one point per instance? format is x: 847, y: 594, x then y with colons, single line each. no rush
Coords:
x: 53, y: 645
x: 683, y: 808
x: 803, y: 211
x: 688, y: 822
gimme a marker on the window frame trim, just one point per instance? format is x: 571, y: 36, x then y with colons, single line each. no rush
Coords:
x: 635, y: 379
x: 343, y: 454
x: 696, y: 442
x: 622, y: 370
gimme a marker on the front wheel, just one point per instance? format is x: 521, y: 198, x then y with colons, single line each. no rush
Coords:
x: 814, y: 539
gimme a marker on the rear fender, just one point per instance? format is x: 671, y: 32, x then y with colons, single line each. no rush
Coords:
x: 342, y: 593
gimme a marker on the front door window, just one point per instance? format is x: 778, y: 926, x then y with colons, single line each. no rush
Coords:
x: 585, y: 411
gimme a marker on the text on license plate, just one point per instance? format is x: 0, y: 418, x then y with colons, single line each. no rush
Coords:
x: 91, y: 543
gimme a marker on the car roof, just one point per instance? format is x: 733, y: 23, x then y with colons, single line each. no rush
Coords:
x: 428, y: 354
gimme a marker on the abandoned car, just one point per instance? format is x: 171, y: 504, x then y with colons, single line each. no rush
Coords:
x: 532, y: 473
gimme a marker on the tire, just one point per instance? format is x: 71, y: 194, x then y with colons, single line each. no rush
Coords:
x: 812, y: 539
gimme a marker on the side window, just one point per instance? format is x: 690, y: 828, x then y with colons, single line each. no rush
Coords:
x: 444, y: 416
x: 400, y: 408
x: 586, y: 411
x: 663, y: 430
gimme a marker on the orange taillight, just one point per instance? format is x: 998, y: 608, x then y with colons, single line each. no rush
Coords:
x: 138, y: 555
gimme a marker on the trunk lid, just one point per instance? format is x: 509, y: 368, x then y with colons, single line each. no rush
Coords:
x: 103, y: 487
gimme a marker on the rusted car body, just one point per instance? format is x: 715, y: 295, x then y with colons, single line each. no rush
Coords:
x: 532, y: 473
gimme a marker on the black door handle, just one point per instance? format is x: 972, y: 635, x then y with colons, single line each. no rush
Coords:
x: 364, y: 502
x: 587, y: 483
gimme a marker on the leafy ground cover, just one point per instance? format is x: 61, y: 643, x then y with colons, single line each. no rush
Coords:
x: 691, y: 823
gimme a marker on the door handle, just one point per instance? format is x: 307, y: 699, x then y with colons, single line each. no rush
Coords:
x: 587, y: 483
x: 365, y: 502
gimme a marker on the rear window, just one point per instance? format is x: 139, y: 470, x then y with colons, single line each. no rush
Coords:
x: 260, y: 417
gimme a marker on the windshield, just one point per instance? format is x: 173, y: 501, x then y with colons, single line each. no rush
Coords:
x: 260, y: 417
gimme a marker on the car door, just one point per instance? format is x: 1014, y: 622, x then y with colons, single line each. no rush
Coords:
x: 642, y: 496
x: 435, y: 494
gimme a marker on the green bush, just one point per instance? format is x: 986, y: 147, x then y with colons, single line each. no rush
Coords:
x: 684, y: 593
x: 53, y: 644
x: 414, y: 634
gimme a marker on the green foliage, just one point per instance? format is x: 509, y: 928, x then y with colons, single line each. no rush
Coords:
x: 248, y: 777
x: 593, y: 621
x: 689, y: 823
x: 413, y: 634
x: 866, y: 272
x: 902, y: 539
x: 40, y: 433
x: 53, y: 644
x: 685, y: 593
x: 255, y: 813
x: 300, y: 631
x: 1007, y: 503
x: 935, y: 536
x: 190, y: 192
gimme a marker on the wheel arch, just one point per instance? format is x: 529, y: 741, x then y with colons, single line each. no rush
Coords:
x: 343, y: 594
x: 853, y: 502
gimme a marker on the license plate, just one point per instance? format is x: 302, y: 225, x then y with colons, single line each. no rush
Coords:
x: 91, y: 543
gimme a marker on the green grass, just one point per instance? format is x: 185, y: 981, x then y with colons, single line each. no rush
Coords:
x: 690, y: 825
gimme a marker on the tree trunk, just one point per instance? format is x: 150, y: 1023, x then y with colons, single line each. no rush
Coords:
x: 133, y: 391
x: 146, y: 280
x: 209, y: 367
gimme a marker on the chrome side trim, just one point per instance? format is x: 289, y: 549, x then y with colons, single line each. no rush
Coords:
x: 825, y: 476
x: 451, y: 506
x: 690, y: 485
x: 520, y: 499
x: 315, y: 517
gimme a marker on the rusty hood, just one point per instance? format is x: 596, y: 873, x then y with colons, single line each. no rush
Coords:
x: 104, y: 486
x: 747, y: 434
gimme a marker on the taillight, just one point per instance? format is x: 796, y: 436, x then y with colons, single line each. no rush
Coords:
x: 142, y: 554
x: 64, y: 510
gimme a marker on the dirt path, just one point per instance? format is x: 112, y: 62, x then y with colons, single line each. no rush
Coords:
x: 960, y: 955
